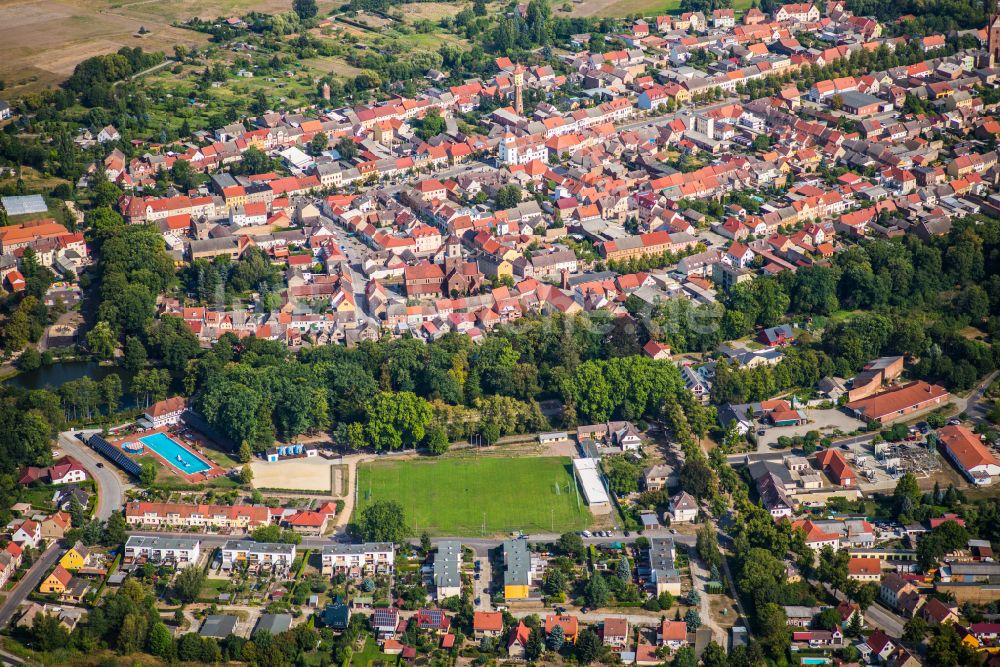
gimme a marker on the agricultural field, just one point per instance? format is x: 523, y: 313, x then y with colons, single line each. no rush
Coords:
x: 474, y: 496
x: 44, y: 41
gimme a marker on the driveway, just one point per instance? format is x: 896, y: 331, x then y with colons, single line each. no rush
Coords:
x: 110, y: 488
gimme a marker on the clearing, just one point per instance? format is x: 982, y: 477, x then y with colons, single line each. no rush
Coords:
x: 310, y: 474
x: 44, y: 41
x: 479, y: 496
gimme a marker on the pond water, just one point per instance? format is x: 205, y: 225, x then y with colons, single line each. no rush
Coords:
x: 54, y: 376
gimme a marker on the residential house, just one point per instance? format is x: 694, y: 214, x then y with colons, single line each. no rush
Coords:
x: 570, y: 626
x: 487, y: 624
x: 518, y: 641
x: 683, y: 508
x: 165, y: 412
x: 673, y: 634
x: 356, y: 560
x: 614, y: 633
x: 57, y: 582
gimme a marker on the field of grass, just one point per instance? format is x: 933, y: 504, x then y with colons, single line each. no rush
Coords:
x: 44, y: 41
x: 459, y: 495
x: 371, y: 653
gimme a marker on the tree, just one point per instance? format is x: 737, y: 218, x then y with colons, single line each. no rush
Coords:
x: 48, y: 633
x: 147, y: 474
x: 775, y: 635
x: 383, y: 521
x: 116, y: 530
x: 246, y: 453
x: 306, y: 9
x: 855, y: 627
x: 708, y: 545
x: 347, y: 148
x: 188, y: 583
x: 160, y: 641
x: 535, y: 646
x: 101, y: 340
x: 111, y: 391
x: 508, y: 196
x: 828, y: 619
x: 571, y: 545
x: 431, y: 125
x: 624, y: 570
x: 556, y: 638
x: 135, y: 354
x: 588, y: 646
x: 246, y: 475
x: 696, y: 478
x: 714, y: 655
x: 437, y: 440
x: 597, y: 590
x: 665, y: 600
x: 692, y: 619
x: 915, y: 630
x: 318, y: 144
x: 685, y: 657
x: 947, y: 649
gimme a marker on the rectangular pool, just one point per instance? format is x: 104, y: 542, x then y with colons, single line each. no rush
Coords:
x: 175, y: 453
x: 816, y: 661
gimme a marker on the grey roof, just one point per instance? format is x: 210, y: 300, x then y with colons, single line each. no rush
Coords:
x: 24, y: 204
x: 661, y: 558
x: 274, y: 623
x: 260, y: 547
x: 517, y: 563
x: 367, y: 547
x: 218, y: 625
x: 446, y: 564
x: 157, y: 542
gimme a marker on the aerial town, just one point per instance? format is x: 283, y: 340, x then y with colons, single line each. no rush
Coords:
x: 391, y: 333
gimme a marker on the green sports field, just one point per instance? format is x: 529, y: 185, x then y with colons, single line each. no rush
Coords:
x: 471, y: 496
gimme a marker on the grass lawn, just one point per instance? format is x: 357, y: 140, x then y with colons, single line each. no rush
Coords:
x: 370, y: 653
x: 640, y: 7
x: 455, y: 496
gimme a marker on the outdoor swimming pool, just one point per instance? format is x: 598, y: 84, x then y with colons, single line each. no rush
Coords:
x: 815, y: 661
x: 175, y: 453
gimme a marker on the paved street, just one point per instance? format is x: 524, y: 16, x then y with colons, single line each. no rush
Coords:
x: 110, y: 488
x: 28, y: 583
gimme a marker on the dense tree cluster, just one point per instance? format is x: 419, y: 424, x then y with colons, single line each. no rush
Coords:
x: 401, y: 393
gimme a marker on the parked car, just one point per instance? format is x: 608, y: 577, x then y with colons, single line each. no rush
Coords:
x: 954, y: 422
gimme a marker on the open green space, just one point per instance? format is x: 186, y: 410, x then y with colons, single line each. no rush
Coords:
x: 478, y: 496
x: 370, y: 654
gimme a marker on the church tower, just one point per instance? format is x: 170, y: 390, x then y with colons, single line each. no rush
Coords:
x: 519, y: 89
x: 993, y: 30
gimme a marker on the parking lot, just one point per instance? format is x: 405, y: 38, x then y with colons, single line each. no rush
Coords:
x: 827, y: 422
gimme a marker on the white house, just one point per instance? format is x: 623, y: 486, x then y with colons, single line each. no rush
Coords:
x: 247, y: 215
x: 28, y: 533
x: 165, y: 412
x: 181, y: 551
x: 358, y: 558
x: 447, y: 565
x: 277, y: 555
x: 683, y: 508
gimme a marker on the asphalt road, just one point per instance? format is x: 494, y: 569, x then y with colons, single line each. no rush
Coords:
x: 28, y: 583
x: 110, y: 488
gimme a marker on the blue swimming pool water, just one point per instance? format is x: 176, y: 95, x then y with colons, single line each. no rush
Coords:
x: 815, y: 661
x: 170, y: 449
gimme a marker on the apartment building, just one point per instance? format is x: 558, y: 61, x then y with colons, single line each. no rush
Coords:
x: 182, y: 551
x: 238, y: 552
x: 241, y: 517
x: 358, y: 559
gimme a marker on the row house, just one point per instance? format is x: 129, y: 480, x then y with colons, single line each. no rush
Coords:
x: 240, y: 517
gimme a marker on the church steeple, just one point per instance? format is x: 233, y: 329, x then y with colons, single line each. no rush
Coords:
x: 993, y: 36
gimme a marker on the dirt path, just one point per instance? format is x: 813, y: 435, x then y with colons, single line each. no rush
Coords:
x: 699, y: 578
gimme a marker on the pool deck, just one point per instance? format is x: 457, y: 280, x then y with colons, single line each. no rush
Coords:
x: 194, y: 442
